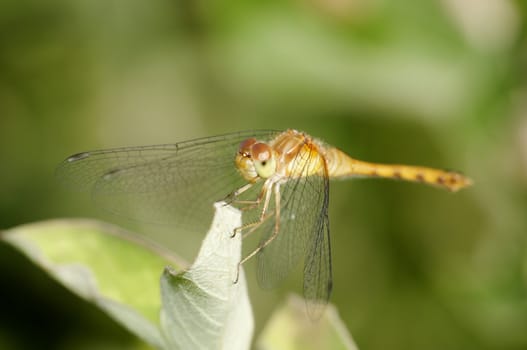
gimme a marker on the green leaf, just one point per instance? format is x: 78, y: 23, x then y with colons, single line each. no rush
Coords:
x: 290, y: 328
x: 93, y: 260
x: 201, y: 308
x: 204, y: 308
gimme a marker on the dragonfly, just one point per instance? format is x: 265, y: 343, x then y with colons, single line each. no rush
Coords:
x: 279, y: 179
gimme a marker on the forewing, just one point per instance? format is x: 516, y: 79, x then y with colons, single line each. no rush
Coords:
x: 303, y: 202
x: 318, y: 281
x: 174, y: 183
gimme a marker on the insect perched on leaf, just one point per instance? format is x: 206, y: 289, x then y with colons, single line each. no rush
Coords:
x: 280, y: 180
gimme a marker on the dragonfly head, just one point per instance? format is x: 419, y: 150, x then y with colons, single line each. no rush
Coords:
x: 255, y: 160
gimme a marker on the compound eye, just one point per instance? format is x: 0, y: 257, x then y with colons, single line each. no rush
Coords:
x: 245, y: 147
x: 263, y: 159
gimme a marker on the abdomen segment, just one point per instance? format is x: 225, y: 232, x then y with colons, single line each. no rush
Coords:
x: 341, y: 165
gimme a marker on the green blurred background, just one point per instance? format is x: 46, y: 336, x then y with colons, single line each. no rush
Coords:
x: 439, y: 83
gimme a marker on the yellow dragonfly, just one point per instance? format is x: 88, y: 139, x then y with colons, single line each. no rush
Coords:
x: 279, y: 179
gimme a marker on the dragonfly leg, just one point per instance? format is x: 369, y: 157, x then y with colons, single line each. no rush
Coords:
x: 262, y: 215
x: 251, y: 204
x: 257, y: 224
x: 231, y: 197
x: 275, y: 231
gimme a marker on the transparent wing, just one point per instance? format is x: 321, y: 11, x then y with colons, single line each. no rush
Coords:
x: 173, y: 183
x: 304, y: 233
x: 318, y: 281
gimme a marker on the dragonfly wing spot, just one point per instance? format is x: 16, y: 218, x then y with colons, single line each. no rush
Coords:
x: 78, y: 156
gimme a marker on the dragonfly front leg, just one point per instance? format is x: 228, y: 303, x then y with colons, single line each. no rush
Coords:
x: 257, y: 224
x: 231, y: 197
x: 276, y: 226
x: 264, y: 192
x: 249, y: 204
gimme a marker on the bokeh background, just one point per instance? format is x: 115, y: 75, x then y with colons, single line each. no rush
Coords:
x: 435, y: 82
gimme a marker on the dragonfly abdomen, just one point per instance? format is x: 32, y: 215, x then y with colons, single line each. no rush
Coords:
x: 341, y: 165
